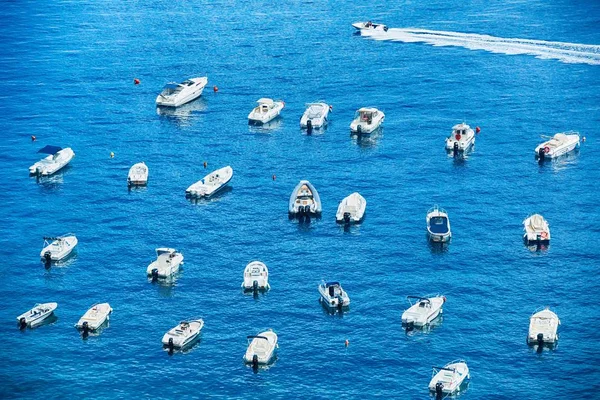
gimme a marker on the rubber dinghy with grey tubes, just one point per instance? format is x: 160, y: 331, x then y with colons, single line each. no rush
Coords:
x: 304, y: 200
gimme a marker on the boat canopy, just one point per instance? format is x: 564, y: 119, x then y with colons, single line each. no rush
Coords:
x: 419, y: 298
x: 367, y: 109
x: 50, y: 150
x: 328, y: 284
x: 257, y: 337
x: 265, y: 101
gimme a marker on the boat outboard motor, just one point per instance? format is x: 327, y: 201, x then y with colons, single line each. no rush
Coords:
x: 340, y: 302
x: 410, y: 326
x: 540, y: 339
x: 541, y: 154
x: 347, y: 217
x: 47, y: 258
x: 385, y: 28
x: 439, y: 390
x: 22, y: 323
x: 309, y: 126
x: 86, y: 330
x: 255, y: 286
x: 358, y: 129
x: 255, y: 361
x: 171, y: 346
x: 154, y: 275
x: 455, y: 149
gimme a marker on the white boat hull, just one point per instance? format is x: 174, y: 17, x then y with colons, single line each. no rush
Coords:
x: 433, y: 232
x: 60, y: 248
x: 363, y: 127
x: 316, y: 119
x: 351, y: 209
x: 258, y: 272
x: 263, y: 348
x: 188, y: 94
x: 258, y: 117
x: 211, y: 184
x: 339, y: 299
x: 304, y: 200
x: 559, y: 145
x: 166, y: 264
x: 543, y: 328
x: 138, y: 175
x: 52, y: 163
x: 537, y: 230
x: 183, y: 334
x: 419, y: 314
x: 97, y: 315
x: 451, y: 380
x: 37, y: 315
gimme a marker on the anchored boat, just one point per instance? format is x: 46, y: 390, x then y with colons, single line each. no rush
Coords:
x: 438, y: 225
x: 558, y: 145
x: 315, y: 116
x: 543, y: 328
x: 93, y: 318
x: 261, y: 348
x: 175, y: 94
x: 266, y: 111
x: 57, y: 159
x: 536, y: 230
x: 211, y: 183
x: 256, y: 277
x: 138, y: 175
x: 166, y: 264
x: 422, y: 310
x: 36, y: 316
x: 461, y: 140
x: 333, y: 295
x: 367, y: 120
x: 183, y: 334
x: 58, y: 248
x: 447, y: 380
x: 351, y: 209
x: 304, y: 200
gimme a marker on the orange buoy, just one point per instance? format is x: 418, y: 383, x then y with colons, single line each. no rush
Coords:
x: 347, y: 343
x: 33, y: 138
x: 136, y: 81
x: 112, y: 155
x: 274, y: 177
x: 215, y: 89
x: 477, y: 129
x: 205, y: 164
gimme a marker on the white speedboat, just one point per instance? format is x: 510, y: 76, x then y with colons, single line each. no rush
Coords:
x: 447, y: 380
x: 57, y: 248
x: 36, y: 315
x: 256, y: 277
x: 438, y: 225
x: 543, y: 327
x: 261, y: 348
x: 304, y: 201
x: 367, y: 120
x: 422, y: 310
x: 461, y: 139
x: 138, y: 175
x: 166, y: 264
x: 175, y: 94
x: 536, y: 230
x: 333, y: 296
x: 558, y: 145
x: 94, y: 318
x: 57, y: 159
x: 266, y: 111
x: 315, y: 116
x: 211, y: 183
x: 351, y: 209
x: 183, y: 334
x: 369, y: 26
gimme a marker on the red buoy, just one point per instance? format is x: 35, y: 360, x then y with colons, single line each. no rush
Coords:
x: 33, y: 138
x: 477, y: 129
x: 330, y: 107
x: 457, y: 137
x: 136, y: 81
x: 215, y: 89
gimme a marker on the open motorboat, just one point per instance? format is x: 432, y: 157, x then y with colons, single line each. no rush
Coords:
x: 369, y: 26
x: 256, y: 277
x: 438, y: 225
x: 543, y: 327
x: 57, y: 248
x: 93, y: 318
x: 138, y: 175
x: 423, y: 310
x: 447, y: 380
x: 261, y: 348
x: 559, y: 144
x: 367, y: 120
x: 461, y: 139
x: 536, y: 230
x: 266, y: 111
x: 166, y: 264
x: 36, y: 315
x: 183, y: 334
x: 57, y: 158
x: 211, y: 183
x: 175, y: 94
x: 333, y: 296
x: 315, y: 116
x: 351, y: 209
x: 304, y: 201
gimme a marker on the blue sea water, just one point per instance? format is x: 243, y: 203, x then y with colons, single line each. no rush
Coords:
x: 67, y: 78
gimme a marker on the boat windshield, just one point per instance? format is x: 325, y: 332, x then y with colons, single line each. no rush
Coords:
x: 366, y: 116
x: 171, y: 89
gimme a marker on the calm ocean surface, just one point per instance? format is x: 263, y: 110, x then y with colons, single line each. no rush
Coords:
x: 67, y: 78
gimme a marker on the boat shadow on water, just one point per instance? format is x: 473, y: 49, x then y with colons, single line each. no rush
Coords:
x: 368, y: 140
x: 536, y: 348
x: 183, y: 115
x: 53, y: 181
x: 94, y: 333
x: 462, y: 390
x: 560, y: 163
x: 137, y: 188
x: 333, y: 312
x: 47, y: 321
x: 166, y: 286
x: 268, y: 127
x: 65, y: 262
x: 425, y: 330
x: 256, y: 295
x: 207, y: 200
x: 438, y: 247
x: 262, y: 367
x: 188, y: 348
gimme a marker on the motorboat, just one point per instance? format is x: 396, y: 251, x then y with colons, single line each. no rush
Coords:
x: 166, y: 264
x: 183, y: 334
x: 57, y: 248
x: 315, y: 116
x: 351, y: 209
x: 256, y: 277
x: 560, y: 144
x: 57, y: 159
x: 37, y: 315
x: 447, y: 380
x: 461, y: 139
x: 211, y: 183
x: 261, y: 348
x: 93, y: 318
x: 138, y: 175
x: 422, y: 310
x: 366, y: 120
x: 304, y: 201
x: 175, y: 94
x: 266, y: 111
x: 438, y: 225
x: 333, y: 296
x: 543, y: 327
x: 536, y: 230
x: 369, y: 26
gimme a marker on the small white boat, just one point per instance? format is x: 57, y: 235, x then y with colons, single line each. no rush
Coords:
x: 558, y: 145
x: 166, y: 264
x: 333, y: 295
x: 183, y: 334
x: 461, y: 139
x: 211, y: 183
x: 367, y: 120
x: 422, y: 311
x: 266, y: 111
x: 438, y: 225
x: 36, y: 315
x: 175, y: 94
x: 369, y: 26
x: 351, y: 209
x: 256, y: 277
x: 315, y: 116
x: 93, y: 318
x: 57, y: 159
x: 57, y: 248
x: 536, y: 230
x: 261, y: 348
x: 447, y: 380
x: 543, y: 327
x: 138, y: 175
x: 304, y: 201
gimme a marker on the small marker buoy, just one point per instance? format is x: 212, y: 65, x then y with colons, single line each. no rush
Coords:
x: 582, y: 139
x: 274, y: 177
x: 136, y: 81
x: 33, y: 138
x: 112, y: 155
x: 477, y: 129
x: 347, y: 343
x: 215, y: 89
x: 205, y: 164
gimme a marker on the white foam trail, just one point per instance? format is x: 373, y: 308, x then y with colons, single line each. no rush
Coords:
x: 572, y: 53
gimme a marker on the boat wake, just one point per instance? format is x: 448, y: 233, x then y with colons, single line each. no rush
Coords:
x: 571, y: 53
